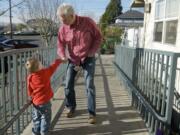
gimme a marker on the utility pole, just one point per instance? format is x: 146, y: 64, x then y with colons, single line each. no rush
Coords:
x: 10, y: 19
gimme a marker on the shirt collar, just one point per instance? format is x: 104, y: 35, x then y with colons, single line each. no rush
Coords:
x: 76, y: 22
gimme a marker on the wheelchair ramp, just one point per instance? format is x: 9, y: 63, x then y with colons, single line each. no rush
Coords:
x: 115, y: 116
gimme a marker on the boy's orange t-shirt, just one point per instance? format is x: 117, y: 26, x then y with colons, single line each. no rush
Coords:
x: 39, y: 86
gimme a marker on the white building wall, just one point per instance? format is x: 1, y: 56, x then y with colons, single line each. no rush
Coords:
x: 135, y: 37
x: 149, y: 21
x: 131, y: 37
x: 141, y: 37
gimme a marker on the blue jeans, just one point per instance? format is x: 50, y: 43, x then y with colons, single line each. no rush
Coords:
x: 89, y: 69
x: 41, y: 116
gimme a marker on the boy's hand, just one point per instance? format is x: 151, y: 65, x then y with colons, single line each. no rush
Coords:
x: 91, y: 54
x: 30, y: 99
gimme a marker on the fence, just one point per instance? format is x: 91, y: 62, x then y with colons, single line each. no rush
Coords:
x: 15, y: 109
x: 151, y: 77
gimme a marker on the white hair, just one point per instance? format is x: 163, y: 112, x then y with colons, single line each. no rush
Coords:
x: 65, y: 9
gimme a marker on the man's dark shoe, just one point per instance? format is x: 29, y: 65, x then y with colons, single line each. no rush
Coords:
x: 69, y: 113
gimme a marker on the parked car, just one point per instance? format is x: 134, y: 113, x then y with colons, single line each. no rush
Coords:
x: 17, y: 44
x: 5, y: 47
x: 2, y: 38
x: 26, y: 33
x: 1, y: 49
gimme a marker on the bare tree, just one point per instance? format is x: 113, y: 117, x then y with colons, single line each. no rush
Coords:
x: 42, y: 14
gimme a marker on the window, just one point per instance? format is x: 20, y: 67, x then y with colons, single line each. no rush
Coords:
x: 171, y: 30
x: 172, y: 8
x: 158, y: 31
x: 166, y: 21
x: 160, y: 5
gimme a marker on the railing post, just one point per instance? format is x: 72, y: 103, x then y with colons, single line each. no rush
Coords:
x: 10, y: 80
x: 170, y: 91
x: 16, y: 91
x: 3, y: 92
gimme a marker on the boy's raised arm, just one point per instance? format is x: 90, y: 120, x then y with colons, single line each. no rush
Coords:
x: 52, y: 68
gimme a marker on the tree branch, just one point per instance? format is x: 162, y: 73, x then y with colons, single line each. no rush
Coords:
x: 3, y: 12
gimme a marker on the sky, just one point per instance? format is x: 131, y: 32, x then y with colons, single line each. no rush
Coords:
x: 83, y: 7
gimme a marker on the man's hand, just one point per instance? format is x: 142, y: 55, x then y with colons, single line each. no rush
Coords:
x: 90, y: 55
x: 64, y: 60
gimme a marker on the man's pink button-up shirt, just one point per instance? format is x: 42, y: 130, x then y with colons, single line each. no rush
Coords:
x: 82, y: 38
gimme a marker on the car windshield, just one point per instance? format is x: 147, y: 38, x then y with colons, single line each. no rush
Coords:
x: 22, y: 42
x: 11, y: 41
x: 6, y: 41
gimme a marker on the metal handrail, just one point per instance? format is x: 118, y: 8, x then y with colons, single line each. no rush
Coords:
x: 170, y: 53
x: 16, y: 51
x: 15, y: 117
x: 133, y: 89
x: 14, y: 106
x: 151, y: 76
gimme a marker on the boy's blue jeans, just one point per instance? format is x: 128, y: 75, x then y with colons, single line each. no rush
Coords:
x: 89, y: 69
x: 41, y: 116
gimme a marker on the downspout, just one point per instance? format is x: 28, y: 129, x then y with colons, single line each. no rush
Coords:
x: 144, y: 37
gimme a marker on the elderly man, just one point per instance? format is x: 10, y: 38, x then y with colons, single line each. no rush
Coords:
x: 82, y: 39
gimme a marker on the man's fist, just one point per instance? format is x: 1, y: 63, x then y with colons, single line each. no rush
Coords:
x: 64, y: 60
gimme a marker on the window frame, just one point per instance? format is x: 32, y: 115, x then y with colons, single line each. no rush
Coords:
x: 164, y: 38
x: 164, y: 20
x: 155, y: 27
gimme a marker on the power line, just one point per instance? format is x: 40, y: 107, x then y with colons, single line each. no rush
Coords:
x: 10, y: 18
x: 3, y: 12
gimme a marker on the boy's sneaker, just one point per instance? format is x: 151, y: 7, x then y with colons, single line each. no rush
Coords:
x: 92, y: 119
x: 69, y: 113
